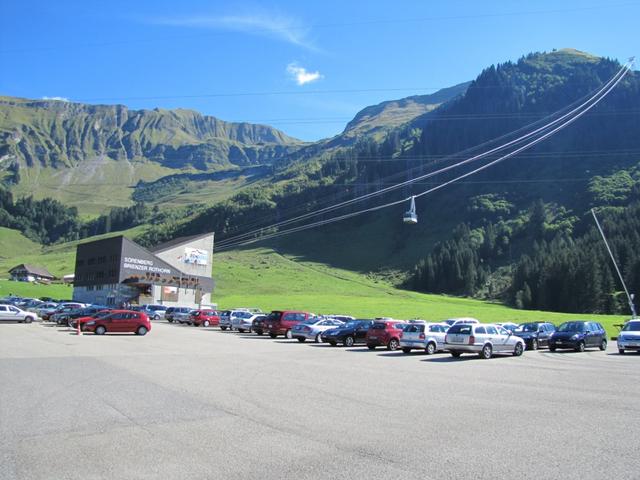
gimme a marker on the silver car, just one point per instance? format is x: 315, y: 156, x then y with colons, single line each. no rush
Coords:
x: 484, y: 340
x: 242, y: 321
x: 9, y: 313
x: 423, y: 336
x: 629, y: 338
x: 313, y: 328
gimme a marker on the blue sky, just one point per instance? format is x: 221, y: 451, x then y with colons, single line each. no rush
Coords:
x: 304, y: 67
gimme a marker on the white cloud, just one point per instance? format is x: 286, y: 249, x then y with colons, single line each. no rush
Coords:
x: 281, y: 27
x: 60, y: 99
x: 301, y: 76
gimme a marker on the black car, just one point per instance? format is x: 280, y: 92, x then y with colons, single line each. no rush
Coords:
x: 352, y: 332
x: 68, y: 317
x: 578, y: 335
x: 257, y: 325
x: 73, y: 322
x: 535, y: 334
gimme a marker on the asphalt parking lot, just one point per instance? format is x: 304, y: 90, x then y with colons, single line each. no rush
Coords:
x: 185, y: 402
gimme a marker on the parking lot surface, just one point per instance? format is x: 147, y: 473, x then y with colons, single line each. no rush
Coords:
x: 196, y: 403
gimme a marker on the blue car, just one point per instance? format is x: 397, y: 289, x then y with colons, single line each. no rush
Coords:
x: 578, y: 335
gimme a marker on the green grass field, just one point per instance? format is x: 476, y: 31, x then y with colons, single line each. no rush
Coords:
x: 261, y: 277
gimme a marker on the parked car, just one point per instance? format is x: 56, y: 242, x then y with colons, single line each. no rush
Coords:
x: 578, y: 335
x: 313, y: 329
x: 384, y: 333
x: 154, y: 312
x: 171, y: 313
x: 281, y: 322
x: 11, y: 313
x: 629, y: 338
x: 225, y: 320
x: 183, y: 315
x: 205, y: 317
x: 510, y: 326
x: 461, y: 320
x: 59, y: 315
x: 46, y: 307
x: 257, y: 326
x: 342, y: 318
x: 423, y: 336
x: 484, y: 340
x: 535, y: 334
x: 73, y: 323
x: 242, y: 321
x: 118, y: 321
x: 348, y: 334
x: 69, y: 317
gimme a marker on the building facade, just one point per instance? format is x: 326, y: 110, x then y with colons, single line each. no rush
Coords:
x: 117, y: 271
x: 30, y: 273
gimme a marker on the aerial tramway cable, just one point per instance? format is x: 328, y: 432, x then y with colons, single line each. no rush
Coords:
x: 565, y: 120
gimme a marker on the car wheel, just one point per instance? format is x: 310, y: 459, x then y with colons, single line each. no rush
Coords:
x: 552, y: 349
x: 534, y: 344
x: 301, y: 339
x: 621, y: 351
x: 319, y: 338
x: 333, y: 344
x: 486, y: 352
x: 288, y: 335
x: 170, y: 320
x: 581, y: 346
x: 259, y: 332
x: 28, y: 319
x: 241, y: 330
x: 431, y: 348
x: 517, y: 351
x: 100, y: 330
x: 156, y: 317
x: 206, y: 323
x: 142, y: 330
x: 348, y: 341
x: 371, y: 347
x: 393, y: 344
x: 406, y: 350
x: 603, y: 345
x: 223, y: 328
x: 455, y: 354
x: 273, y: 335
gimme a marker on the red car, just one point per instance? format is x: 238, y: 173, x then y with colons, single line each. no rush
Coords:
x: 280, y: 322
x: 205, y: 317
x: 385, y: 333
x: 117, y: 321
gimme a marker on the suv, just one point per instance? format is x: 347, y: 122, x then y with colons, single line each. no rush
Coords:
x: 154, y: 312
x: 173, y: 313
x: 578, y: 335
x: 280, y: 322
x: 485, y: 340
x: 629, y: 338
x: 384, y: 333
x: 423, y: 336
x: 11, y: 313
x: 204, y: 317
x: 535, y: 334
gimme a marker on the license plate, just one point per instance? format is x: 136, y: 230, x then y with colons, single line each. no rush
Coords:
x: 373, y: 338
x: 632, y: 344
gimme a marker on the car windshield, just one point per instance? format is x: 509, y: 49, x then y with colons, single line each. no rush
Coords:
x: 352, y: 324
x: 631, y: 327
x: 527, y: 327
x: 461, y: 328
x: 572, y: 327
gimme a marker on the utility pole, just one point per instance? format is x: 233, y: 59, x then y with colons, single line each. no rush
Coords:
x: 613, y: 260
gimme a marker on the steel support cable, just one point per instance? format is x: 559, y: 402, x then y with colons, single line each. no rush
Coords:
x: 543, y: 137
x: 614, y: 80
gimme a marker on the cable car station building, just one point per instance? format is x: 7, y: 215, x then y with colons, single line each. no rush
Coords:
x: 116, y: 271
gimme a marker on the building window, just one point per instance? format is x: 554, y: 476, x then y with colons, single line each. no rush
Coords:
x: 91, y: 261
x: 98, y: 287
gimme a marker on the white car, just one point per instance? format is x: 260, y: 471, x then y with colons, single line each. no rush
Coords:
x: 423, y: 336
x: 463, y: 320
x: 629, y: 338
x: 485, y: 340
x: 313, y: 328
x: 9, y: 313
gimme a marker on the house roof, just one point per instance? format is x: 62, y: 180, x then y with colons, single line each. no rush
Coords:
x: 34, y: 270
x: 178, y: 241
